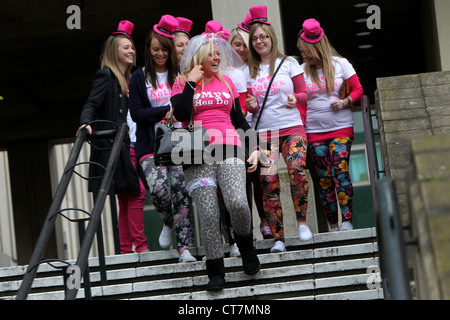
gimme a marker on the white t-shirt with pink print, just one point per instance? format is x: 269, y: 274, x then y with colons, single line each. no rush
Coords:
x: 319, y: 115
x: 275, y: 115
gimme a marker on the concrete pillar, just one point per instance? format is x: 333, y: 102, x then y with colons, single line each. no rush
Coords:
x: 442, y: 10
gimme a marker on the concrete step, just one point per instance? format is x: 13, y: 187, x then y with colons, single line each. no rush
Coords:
x: 336, y: 265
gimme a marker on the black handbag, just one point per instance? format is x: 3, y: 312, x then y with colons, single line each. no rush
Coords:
x: 177, y: 146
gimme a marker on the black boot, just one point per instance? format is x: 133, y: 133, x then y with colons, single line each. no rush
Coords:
x: 216, y: 274
x: 250, y: 260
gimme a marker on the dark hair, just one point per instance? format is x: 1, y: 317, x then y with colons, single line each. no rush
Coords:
x: 172, y: 62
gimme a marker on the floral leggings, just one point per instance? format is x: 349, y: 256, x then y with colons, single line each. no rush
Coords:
x: 293, y: 149
x: 331, y: 160
x: 167, y: 185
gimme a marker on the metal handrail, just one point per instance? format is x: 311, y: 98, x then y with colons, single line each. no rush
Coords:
x: 94, y: 222
x: 391, y: 247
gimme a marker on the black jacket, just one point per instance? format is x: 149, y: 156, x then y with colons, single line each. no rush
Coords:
x: 107, y: 102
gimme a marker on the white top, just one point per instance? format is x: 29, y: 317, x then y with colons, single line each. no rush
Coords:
x: 319, y: 115
x: 275, y: 115
x: 160, y: 96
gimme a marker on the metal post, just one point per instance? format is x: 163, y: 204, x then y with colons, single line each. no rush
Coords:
x: 394, y: 253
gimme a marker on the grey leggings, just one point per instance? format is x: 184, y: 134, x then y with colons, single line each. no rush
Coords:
x: 230, y: 177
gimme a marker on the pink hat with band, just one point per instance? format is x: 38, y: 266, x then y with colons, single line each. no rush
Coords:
x: 259, y: 14
x: 245, y: 25
x: 166, y: 26
x: 312, y: 32
x: 125, y: 28
x: 213, y: 26
x: 184, y: 25
x: 226, y: 34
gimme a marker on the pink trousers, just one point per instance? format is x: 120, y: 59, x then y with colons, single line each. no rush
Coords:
x: 131, y: 217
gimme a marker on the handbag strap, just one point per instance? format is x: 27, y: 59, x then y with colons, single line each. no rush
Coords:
x: 267, y: 92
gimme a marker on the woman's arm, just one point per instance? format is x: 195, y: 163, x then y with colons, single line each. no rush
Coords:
x: 96, y: 97
x: 182, y: 103
x: 140, y: 108
x: 356, y: 90
x: 300, y: 89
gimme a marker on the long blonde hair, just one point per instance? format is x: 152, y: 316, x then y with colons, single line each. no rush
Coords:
x: 109, y: 58
x: 324, y: 51
x: 254, y: 59
x: 199, y: 58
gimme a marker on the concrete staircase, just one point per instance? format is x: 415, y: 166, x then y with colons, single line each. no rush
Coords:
x: 338, y: 265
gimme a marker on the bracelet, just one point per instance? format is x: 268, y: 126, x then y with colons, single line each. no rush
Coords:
x: 190, y: 85
x: 343, y: 106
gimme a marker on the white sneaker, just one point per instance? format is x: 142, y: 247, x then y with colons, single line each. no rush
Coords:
x: 346, y: 226
x: 165, y: 238
x: 186, y: 256
x: 278, y: 247
x: 234, y: 252
x: 304, y: 233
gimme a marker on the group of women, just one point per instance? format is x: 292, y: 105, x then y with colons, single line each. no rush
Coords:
x: 230, y: 82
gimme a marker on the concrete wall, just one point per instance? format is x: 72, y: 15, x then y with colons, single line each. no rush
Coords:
x: 413, y: 114
x: 409, y: 107
x: 429, y: 187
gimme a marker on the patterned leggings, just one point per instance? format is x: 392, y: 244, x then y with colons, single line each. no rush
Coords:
x: 167, y: 185
x: 331, y: 159
x: 293, y: 150
x: 203, y: 180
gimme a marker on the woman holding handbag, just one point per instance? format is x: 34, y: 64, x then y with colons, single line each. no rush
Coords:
x: 277, y: 121
x: 329, y: 120
x: 108, y: 100
x: 208, y: 97
x: 150, y: 91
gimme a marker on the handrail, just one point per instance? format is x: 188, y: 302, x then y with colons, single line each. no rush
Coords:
x: 391, y: 242
x: 94, y: 221
x: 393, y: 268
x: 96, y: 212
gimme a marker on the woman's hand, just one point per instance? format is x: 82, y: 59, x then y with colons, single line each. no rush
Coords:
x: 292, y: 102
x: 253, y: 160
x: 251, y: 103
x: 88, y: 128
x: 196, y: 74
x: 337, y: 105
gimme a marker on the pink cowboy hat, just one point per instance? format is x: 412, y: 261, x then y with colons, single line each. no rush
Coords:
x: 245, y: 25
x: 184, y: 25
x: 312, y: 32
x: 125, y: 28
x: 259, y: 14
x: 166, y: 26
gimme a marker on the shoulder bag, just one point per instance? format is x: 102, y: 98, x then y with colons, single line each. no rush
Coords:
x: 177, y: 146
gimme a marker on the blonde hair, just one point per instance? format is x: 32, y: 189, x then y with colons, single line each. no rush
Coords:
x: 110, y: 58
x: 199, y: 58
x: 325, y: 52
x: 254, y: 59
x: 242, y: 33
